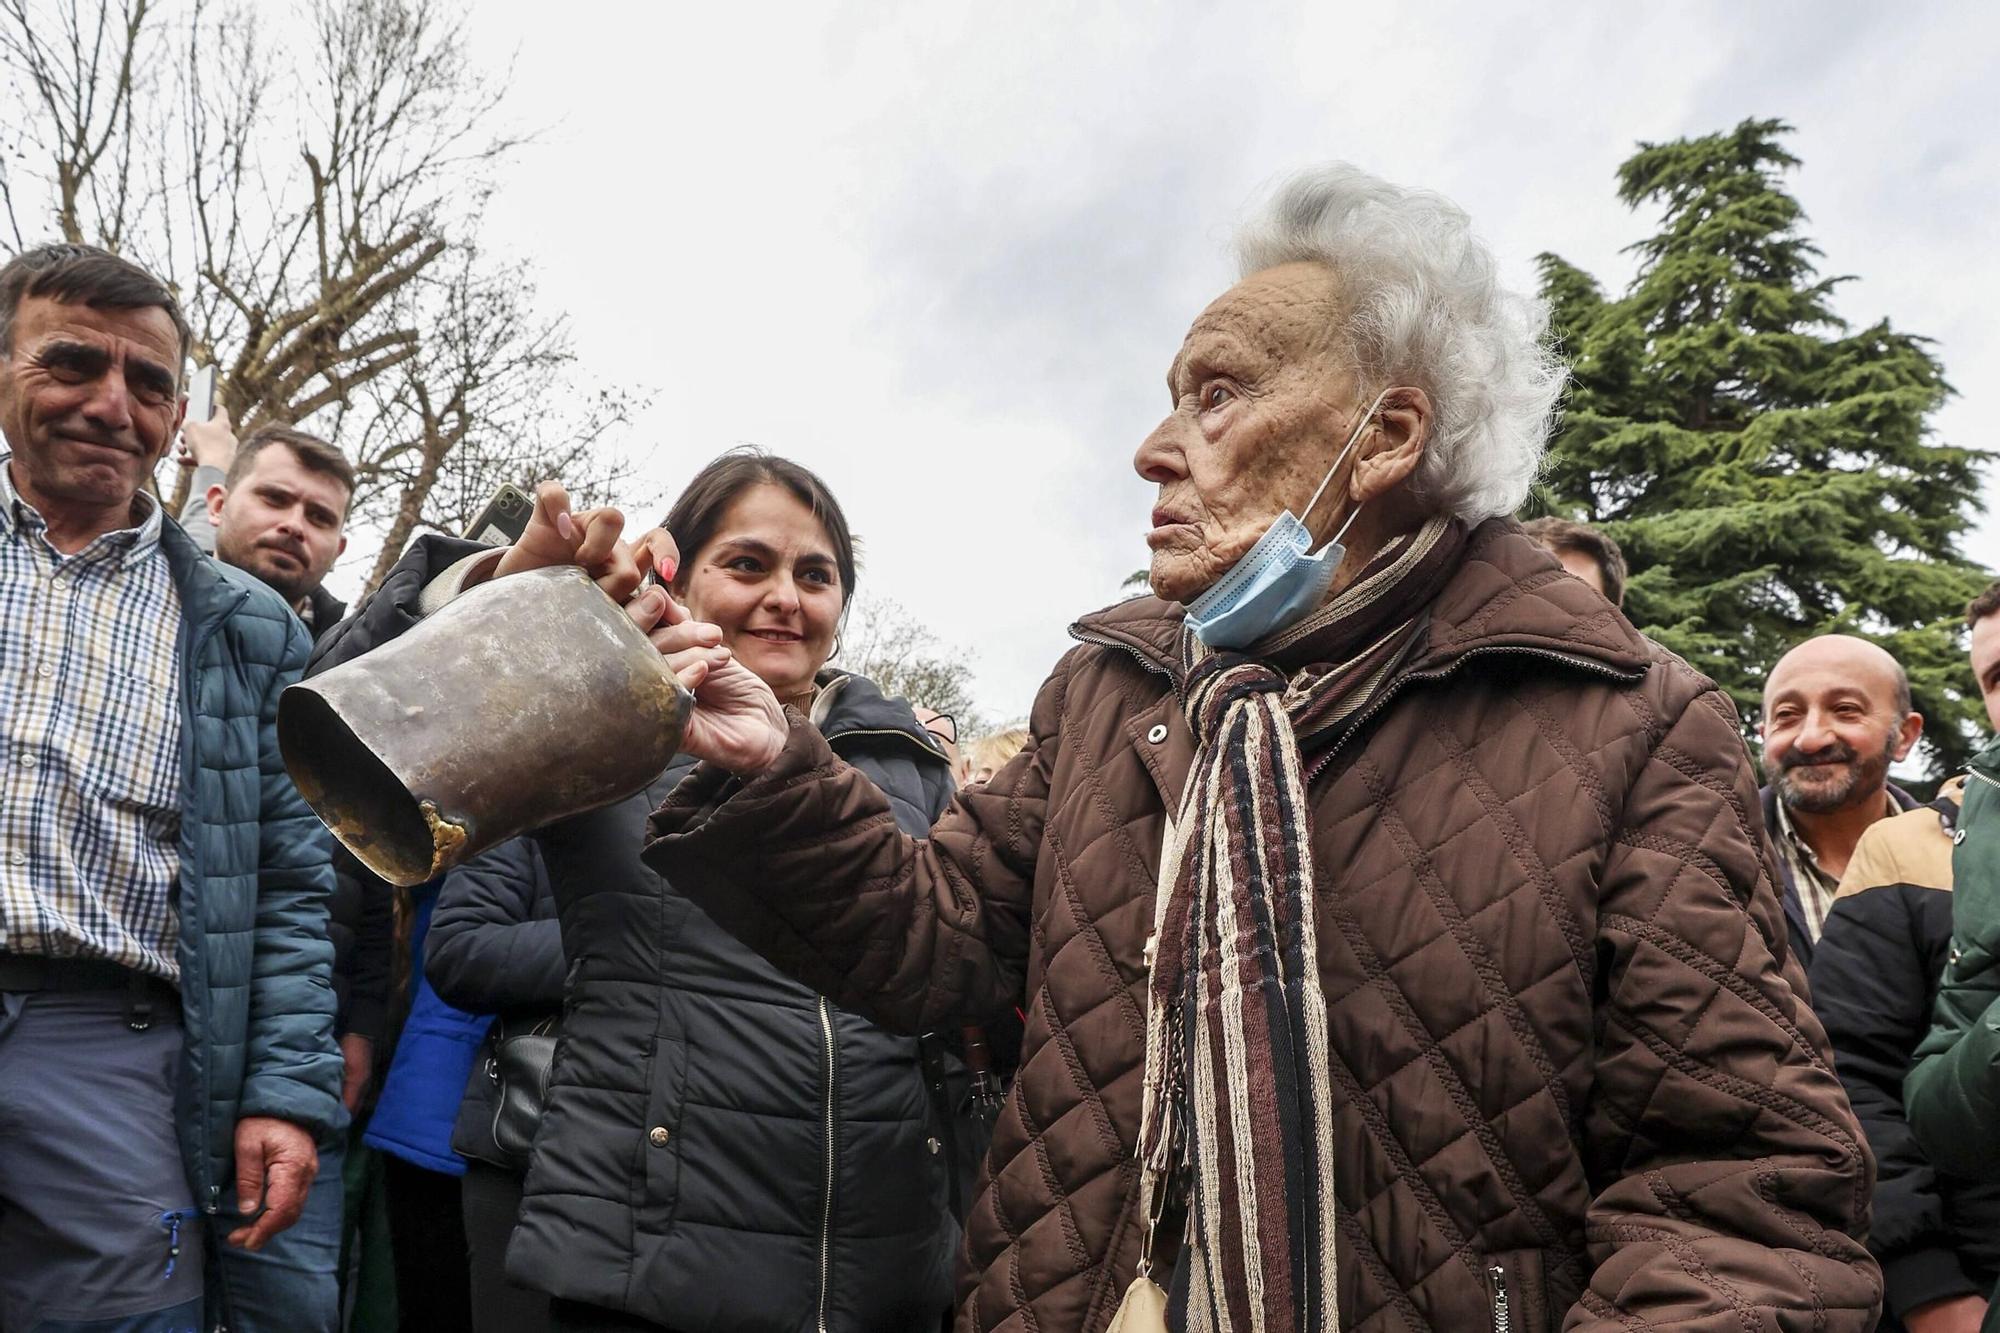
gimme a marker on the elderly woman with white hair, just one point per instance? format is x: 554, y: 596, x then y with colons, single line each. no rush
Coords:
x: 1392, y: 922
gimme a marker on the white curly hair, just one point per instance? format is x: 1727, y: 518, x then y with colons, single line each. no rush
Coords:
x: 1422, y: 305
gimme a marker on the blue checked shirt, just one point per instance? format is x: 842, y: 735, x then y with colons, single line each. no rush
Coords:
x: 90, y: 779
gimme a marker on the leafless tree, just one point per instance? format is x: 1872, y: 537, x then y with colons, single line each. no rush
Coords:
x: 490, y: 398
x: 316, y: 196
x: 77, y: 70
x: 883, y: 641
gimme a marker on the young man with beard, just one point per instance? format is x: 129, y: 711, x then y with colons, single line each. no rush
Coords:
x: 1836, y: 715
x: 275, y: 507
x: 278, y: 513
x: 1875, y: 981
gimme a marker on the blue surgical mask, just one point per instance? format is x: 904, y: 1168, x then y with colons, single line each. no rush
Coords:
x: 1276, y: 583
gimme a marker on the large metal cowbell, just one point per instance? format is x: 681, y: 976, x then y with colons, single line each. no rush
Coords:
x: 522, y: 701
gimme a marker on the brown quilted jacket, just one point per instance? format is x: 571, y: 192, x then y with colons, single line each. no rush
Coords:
x: 1577, y: 1083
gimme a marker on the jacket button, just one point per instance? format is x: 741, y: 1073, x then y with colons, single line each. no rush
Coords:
x: 933, y: 1144
x: 1957, y: 837
x: 659, y: 1136
x: 1158, y: 733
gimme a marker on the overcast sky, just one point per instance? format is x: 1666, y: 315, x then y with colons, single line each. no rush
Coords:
x: 943, y: 253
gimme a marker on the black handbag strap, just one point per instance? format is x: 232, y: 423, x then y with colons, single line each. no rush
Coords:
x: 931, y: 1055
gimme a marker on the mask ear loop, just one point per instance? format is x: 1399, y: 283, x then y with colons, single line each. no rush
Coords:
x: 1327, y: 480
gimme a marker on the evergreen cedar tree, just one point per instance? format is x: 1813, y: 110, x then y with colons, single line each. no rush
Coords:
x: 1769, y: 474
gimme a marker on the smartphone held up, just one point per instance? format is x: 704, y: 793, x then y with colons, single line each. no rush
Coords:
x: 504, y: 517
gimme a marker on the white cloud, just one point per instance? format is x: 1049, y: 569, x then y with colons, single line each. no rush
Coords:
x: 943, y: 253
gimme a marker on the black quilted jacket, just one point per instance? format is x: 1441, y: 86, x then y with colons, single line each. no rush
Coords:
x: 360, y: 914
x: 722, y: 1150
x: 494, y: 947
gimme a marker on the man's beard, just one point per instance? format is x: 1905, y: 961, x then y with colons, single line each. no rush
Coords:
x: 257, y: 560
x: 1863, y: 774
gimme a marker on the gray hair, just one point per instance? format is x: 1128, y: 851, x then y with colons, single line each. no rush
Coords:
x: 1424, y: 307
x: 89, y: 276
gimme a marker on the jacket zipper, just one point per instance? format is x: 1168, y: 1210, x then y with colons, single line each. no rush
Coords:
x: 826, y: 1210
x: 198, y: 638
x: 887, y: 732
x: 1449, y: 669
x: 1104, y: 641
x: 1395, y: 686
x: 1989, y: 781
x: 1496, y: 1283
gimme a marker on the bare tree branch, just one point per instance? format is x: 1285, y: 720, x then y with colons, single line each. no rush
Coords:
x: 883, y: 641
x: 321, y: 211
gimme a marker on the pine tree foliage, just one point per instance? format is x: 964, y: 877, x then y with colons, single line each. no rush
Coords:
x: 1770, y: 473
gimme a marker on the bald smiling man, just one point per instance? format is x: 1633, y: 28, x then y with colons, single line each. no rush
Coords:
x: 1836, y: 715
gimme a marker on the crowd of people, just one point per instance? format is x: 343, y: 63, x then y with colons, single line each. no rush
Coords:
x: 1369, y: 929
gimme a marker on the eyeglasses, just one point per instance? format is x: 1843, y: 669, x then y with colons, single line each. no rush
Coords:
x: 943, y: 726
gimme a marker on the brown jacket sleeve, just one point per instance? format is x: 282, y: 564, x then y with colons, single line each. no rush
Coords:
x: 914, y: 933
x: 1732, y: 1179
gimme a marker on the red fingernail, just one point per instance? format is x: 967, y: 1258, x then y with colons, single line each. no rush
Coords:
x: 668, y: 570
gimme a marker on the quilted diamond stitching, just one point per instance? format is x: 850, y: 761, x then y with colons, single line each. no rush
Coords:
x: 1485, y: 807
x: 1461, y: 1096
x: 1499, y: 994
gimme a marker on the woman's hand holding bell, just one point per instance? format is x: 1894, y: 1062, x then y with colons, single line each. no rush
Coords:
x: 589, y: 539
x: 737, y: 722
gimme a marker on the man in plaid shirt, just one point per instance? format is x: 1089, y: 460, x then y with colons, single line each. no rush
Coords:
x: 166, y: 1051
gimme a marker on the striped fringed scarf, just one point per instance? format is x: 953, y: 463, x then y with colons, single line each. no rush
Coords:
x: 1238, y: 1093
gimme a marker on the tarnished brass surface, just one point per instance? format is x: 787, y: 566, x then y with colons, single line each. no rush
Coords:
x: 523, y: 701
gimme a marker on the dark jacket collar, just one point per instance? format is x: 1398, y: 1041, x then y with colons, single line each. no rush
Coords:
x: 327, y: 611
x: 1507, y: 593
x: 851, y: 705
x: 1949, y: 801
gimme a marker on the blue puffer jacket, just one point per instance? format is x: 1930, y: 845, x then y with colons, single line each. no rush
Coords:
x: 256, y: 988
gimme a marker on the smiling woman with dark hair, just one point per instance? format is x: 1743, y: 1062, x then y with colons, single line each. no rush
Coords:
x: 767, y: 1162
x: 723, y: 1149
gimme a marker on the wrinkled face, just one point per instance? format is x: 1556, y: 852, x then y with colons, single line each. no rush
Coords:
x: 770, y: 582
x: 1831, y: 726
x: 282, y: 522
x: 1986, y: 664
x: 1264, y: 400
x: 89, y: 400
